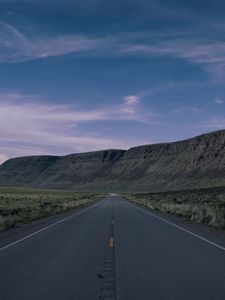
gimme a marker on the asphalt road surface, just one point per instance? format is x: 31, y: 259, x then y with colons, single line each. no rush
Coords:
x: 112, y: 250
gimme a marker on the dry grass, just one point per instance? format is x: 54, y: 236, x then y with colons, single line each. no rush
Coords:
x: 205, y: 206
x: 19, y: 205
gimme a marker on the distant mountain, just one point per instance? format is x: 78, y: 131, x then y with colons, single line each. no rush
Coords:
x: 194, y: 163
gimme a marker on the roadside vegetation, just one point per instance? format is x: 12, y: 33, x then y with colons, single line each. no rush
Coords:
x: 205, y: 206
x: 23, y: 205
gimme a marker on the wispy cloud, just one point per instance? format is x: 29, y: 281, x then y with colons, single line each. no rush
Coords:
x: 210, y: 55
x: 17, y: 46
x: 188, y: 109
x: 19, y: 105
x: 218, y: 100
x: 129, y: 105
x: 34, y: 127
x: 213, y: 123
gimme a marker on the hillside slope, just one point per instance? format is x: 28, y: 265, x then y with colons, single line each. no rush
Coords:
x: 195, y: 163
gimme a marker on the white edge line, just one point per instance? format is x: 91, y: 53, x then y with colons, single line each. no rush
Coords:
x: 177, y: 226
x: 49, y: 226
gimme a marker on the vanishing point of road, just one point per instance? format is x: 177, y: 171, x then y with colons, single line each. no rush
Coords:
x: 112, y: 250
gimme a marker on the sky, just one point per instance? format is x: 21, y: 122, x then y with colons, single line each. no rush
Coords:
x: 78, y: 76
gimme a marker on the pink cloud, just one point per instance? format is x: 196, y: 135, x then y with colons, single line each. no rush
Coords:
x: 36, y: 128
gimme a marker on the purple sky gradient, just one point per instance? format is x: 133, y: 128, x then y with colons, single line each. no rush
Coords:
x: 76, y: 78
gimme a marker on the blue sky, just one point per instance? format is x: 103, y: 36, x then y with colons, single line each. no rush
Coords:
x: 88, y: 75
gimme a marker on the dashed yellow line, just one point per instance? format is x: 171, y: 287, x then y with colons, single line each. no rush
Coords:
x: 111, y: 242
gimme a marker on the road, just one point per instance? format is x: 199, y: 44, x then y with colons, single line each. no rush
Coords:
x: 112, y: 250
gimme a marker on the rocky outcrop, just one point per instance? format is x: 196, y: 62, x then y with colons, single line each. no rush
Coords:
x: 195, y: 163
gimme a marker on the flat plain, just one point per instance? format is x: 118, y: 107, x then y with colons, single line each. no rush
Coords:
x: 206, y: 206
x: 24, y: 205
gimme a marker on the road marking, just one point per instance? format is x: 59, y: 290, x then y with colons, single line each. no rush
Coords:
x: 49, y: 226
x: 179, y: 227
x: 112, y: 222
x: 111, y: 242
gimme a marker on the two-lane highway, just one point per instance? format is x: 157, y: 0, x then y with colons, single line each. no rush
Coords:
x: 113, y: 250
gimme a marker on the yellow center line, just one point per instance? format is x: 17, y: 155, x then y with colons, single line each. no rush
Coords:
x: 111, y: 242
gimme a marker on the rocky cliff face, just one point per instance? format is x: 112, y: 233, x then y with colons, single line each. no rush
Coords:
x: 194, y: 163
